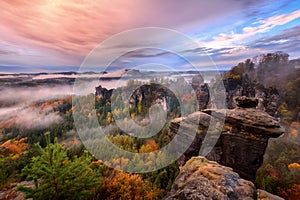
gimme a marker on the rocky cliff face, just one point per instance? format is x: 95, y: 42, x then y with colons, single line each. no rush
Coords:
x: 103, y: 92
x: 268, y: 98
x: 201, y: 179
x: 243, y: 139
x: 145, y: 95
x: 258, y: 77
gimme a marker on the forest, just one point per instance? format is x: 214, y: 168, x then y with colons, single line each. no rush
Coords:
x: 60, y: 167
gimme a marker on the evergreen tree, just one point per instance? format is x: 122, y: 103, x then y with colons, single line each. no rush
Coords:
x: 57, y: 177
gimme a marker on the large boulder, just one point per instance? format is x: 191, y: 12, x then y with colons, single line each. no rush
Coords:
x: 242, y: 142
x: 201, y: 179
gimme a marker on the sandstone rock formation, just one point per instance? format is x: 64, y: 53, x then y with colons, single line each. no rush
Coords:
x: 246, y: 102
x: 204, y: 179
x: 12, y: 192
x: 103, y: 92
x: 264, y: 195
x: 268, y: 98
x: 203, y: 96
x: 201, y: 179
x: 243, y: 140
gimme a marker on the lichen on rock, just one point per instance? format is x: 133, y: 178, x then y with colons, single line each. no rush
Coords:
x: 201, y: 179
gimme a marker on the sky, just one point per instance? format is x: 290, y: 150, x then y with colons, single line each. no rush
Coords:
x: 58, y: 35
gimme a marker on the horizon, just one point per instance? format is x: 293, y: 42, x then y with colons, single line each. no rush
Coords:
x: 100, y: 72
x: 75, y: 69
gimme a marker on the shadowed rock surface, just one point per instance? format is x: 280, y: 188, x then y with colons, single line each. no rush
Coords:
x: 246, y: 102
x: 268, y: 98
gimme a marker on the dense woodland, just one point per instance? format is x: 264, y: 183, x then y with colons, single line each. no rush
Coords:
x: 61, y: 168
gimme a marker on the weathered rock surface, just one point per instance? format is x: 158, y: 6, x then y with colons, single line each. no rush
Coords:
x: 243, y: 140
x: 103, y: 92
x: 203, y: 96
x: 12, y: 192
x: 246, y: 102
x: 264, y: 195
x: 268, y: 98
x: 203, y: 179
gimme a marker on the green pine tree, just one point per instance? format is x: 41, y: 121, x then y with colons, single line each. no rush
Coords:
x: 57, y: 177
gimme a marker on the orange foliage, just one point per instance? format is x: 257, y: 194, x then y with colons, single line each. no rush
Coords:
x: 153, y: 144
x: 294, y: 166
x: 295, y: 125
x: 117, y: 112
x: 132, y: 115
x: 150, y: 146
x: 109, y: 117
x: 292, y: 193
x: 145, y: 148
x: 98, y: 163
x: 16, y: 146
x: 130, y: 186
x: 294, y: 130
x: 49, y: 104
x: 274, y: 174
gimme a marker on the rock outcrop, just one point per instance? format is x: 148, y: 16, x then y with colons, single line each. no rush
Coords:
x: 203, y: 96
x: 103, y: 92
x: 264, y: 195
x: 145, y: 95
x: 12, y: 192
x: 201, y: 179
x: 243, y: 140
x: 246, y: 102
x: 238, y: 85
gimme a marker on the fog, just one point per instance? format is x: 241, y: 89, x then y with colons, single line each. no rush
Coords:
x: 36, y: 119
x: 16, y: 109
x: 16, y: 103
x: 16, y: 99
x: 25, y: 95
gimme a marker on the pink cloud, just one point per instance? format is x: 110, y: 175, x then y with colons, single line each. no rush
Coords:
x: 55, y: 32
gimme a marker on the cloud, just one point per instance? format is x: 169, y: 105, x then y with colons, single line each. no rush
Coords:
x: 239, y: 39
x: 54, y: 32
x: 147, y: 53
x: 234, y: 47
x: 271, y: 22
x: 281, y: 19
x: 287, y: 41
x: 288, y: 34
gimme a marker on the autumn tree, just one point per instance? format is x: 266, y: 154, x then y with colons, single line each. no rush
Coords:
x: 125, y: 186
